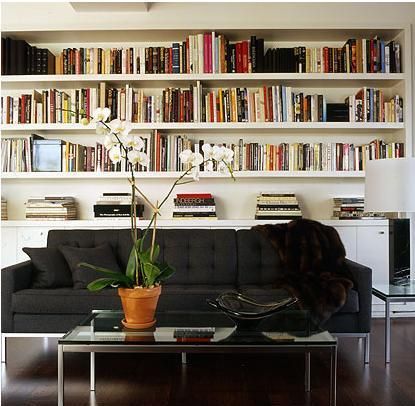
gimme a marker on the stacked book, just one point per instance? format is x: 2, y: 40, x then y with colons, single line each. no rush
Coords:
x: 51, y: 208
x: 194, y: 206
x: 116, y: 205
x: 277, y: 206
x: 4, y: 215
x: 352, y: 208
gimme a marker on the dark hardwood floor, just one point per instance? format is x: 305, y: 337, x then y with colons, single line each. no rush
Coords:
x: 30, y: 377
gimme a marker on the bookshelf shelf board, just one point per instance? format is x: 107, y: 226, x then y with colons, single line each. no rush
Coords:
x: 215, y: 126
x: 149, y: 34
x: 170, y: 223
x: 174, y: 175
x: 218, y: 79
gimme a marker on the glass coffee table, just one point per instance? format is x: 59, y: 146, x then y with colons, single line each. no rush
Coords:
x: 196, y: 332
x: 392, y: 294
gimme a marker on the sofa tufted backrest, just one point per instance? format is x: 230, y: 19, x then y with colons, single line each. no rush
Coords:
x: 258, y: 262
x: 206, y: 257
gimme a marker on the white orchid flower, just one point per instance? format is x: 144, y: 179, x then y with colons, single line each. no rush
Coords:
x: 101, y: 129
x: 110, y: 141
x: 130, y: 141
x: 138, y: 157
x: 191, y: 158
x: 218, y: 153
x: 228, y: 155
x: 115, y: 154
x: 208, y: 151
x: 119, y: 127
x: 101, y: 114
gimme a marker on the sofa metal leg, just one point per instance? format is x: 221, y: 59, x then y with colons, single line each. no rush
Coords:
x: 3, y: 348
x: 367, y: 348
x: 307, y: 372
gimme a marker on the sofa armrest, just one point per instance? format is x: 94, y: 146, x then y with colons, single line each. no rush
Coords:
x: 13, y: 279
x: 362, y: 277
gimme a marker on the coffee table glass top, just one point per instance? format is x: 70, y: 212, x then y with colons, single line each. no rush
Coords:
x: 388, y: 290
x: 105, y: 327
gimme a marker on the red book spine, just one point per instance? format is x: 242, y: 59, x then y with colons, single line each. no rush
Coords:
x: 326, y: 59
x: 187, y: 56
x: 245, y: 48
x: 270, y: 106
x: 52, y: 107
x: 158, y: 152
x: 205, y: 53
x: 22, y: 109
x: 238, y: 51
x: 181, y: 108
x: 209, y: 39
x: 194, y: 195
x: 266, y: 104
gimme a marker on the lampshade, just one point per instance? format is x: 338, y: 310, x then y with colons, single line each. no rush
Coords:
x: 390, y: 185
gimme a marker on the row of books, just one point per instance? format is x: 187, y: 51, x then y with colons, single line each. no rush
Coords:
x: 117, y: 205
x: 194, y: 104
x: 52, y: 208
x: 208, y: 52
x: 20, y: 58
x: 355, y: 56
x: 369, y: 105
x: 194, y: 206
x: 277, y: 206
x: 266, y: 104
x: 74, y: 61
x: 56, y: 106
x: 164, y: 150
x: 311, y: 156
x: 352, y: 208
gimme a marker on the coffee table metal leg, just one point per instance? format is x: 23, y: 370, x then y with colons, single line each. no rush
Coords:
x: 92, y: 372
x: 60, y: 375
x: 184, y: 358
x: 333, y: 376
x: 307, y: 372
x: 387, y: 332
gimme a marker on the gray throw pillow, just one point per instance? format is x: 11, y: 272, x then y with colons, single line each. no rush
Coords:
x: 50, y: 269
x: 101, y: 256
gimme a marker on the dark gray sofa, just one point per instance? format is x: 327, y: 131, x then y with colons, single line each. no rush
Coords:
x: 207, y: 263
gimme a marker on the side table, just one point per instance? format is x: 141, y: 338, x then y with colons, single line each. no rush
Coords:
x: 392, y: 294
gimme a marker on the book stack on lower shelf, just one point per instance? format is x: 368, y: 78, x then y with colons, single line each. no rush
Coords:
x: 4, y: 214
x: 277, y: 206
x: 51, y: 208
x: 116, y: 205
x: 194, y: 206
x: 352, y: 208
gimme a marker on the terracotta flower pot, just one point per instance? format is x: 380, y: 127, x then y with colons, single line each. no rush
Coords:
x: 139, y: 306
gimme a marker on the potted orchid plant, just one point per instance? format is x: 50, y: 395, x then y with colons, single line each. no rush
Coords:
x: 140, y: 286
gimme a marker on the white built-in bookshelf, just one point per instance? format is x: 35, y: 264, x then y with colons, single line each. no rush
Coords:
x: 235, y: 200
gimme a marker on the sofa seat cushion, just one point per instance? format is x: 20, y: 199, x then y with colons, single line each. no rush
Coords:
x: 189, y: 297
x: 64, y: 301
x: 269, y: 293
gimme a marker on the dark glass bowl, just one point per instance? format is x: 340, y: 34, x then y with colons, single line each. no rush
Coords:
x: 245, y: 311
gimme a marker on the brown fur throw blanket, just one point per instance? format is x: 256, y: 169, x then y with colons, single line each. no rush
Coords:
x: 314, y: 266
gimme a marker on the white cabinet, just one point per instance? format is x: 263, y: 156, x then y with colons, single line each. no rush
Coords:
x: 373, y: 250
x: 8, y: 246
x: 348, y: 236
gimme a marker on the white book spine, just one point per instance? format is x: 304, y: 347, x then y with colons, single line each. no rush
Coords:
x: 200, y: 52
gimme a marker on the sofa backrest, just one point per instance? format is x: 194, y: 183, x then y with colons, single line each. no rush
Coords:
x: 258, y: 262
x: 205, y: 257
